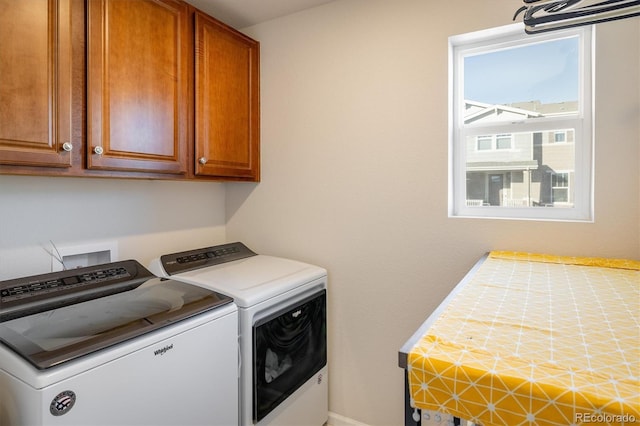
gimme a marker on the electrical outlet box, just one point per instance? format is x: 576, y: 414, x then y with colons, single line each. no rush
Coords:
x: 79, y: 256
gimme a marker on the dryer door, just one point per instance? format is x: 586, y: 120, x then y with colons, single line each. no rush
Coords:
x: 289, y: 348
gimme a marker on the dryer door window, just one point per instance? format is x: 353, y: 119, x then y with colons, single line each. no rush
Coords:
x: 289, y: 348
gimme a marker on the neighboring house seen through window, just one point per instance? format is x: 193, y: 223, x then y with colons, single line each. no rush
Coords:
x: 520, y: 136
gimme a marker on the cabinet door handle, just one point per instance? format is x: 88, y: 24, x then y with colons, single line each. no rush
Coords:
x: 202, y: 160
x: 67, y: 146
x: 98, y: 150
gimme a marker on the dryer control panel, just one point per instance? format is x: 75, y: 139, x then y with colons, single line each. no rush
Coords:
x: 176, y: 263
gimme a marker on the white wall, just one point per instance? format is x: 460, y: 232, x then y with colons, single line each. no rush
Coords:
x: 144, y: 218
x: 354, y: 151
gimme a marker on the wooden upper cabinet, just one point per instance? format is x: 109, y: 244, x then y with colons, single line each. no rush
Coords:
x: 137, y: 85
x: 35, y: 83
x: 227, y: 104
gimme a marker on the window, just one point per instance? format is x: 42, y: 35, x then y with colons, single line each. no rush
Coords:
x: 485, y: 143
x: 559, y: 137
x: 488, y: 142
x: 560, y: 187
x: 520, y: 124
x: 503, y: 141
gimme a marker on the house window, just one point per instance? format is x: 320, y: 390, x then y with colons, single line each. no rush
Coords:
x: 493, y: 142
x: 520, y: 113
x: 559, y: 137
x: 560, y: 187
x: 503, y: 141
x: 484, y: 143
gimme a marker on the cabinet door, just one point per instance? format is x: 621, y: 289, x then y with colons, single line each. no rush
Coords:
x: 137, y: 85
x: 35, y: 83
x: 227, y: 127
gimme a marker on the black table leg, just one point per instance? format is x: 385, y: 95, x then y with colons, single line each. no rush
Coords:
x: 408, y: 409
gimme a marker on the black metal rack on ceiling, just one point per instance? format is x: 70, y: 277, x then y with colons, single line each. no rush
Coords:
x: 549, y: 15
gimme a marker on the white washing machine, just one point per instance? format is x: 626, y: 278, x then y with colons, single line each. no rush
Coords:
x: 282, y: 328
x: 113, y: 345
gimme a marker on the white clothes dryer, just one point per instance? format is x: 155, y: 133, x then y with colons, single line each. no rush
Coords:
x: 282, y: 328
x: 113, y: 345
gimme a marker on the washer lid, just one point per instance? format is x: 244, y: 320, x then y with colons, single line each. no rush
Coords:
x: 49, y: 338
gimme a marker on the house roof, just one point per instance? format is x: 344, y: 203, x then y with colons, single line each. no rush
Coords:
x: 482, y: 111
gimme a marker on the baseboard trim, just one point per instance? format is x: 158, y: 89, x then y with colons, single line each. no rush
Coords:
x: 338, y: 420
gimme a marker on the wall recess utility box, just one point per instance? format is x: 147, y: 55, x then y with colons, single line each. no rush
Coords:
x: 81, y: 255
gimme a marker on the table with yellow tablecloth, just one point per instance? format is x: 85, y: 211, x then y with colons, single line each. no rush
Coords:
x: 531, y: 339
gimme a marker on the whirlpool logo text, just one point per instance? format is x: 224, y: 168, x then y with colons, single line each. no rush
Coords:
x: 163, y: 351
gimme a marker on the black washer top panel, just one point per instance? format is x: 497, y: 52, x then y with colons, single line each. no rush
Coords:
x: 29, y: 295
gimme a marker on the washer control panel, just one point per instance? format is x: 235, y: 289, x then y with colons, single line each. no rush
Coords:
x: 54, y: 284
x: 39, y: 293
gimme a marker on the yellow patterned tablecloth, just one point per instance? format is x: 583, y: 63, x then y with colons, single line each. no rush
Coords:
x: 535, y: 340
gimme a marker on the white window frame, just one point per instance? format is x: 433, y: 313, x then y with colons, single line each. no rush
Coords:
x: 504, y: 37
